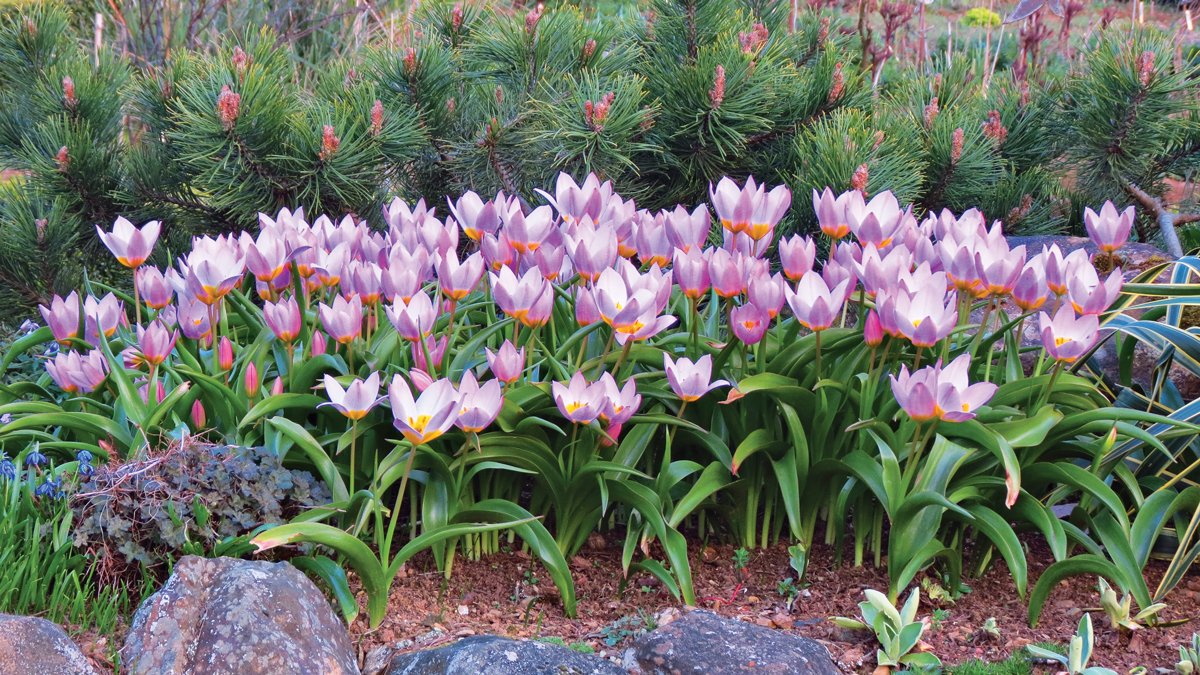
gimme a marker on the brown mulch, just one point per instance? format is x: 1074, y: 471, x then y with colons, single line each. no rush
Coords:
x: 491, y: 596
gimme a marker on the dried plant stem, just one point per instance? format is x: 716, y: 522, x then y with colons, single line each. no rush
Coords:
x: 995, y: 58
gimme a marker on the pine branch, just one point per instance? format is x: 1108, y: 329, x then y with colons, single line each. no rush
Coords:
x: 1165, y: 219
x: 1126, y: 123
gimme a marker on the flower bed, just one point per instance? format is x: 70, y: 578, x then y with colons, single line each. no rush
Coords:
x: 584, y: 366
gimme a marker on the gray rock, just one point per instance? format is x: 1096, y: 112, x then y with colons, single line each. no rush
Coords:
x: 224, y: 616
x: 33, y: 646
x: 493, y: 655
x: 703, y: 643
x: 1133, y: 258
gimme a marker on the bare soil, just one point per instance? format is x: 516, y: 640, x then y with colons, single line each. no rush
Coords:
x: 492, y: 596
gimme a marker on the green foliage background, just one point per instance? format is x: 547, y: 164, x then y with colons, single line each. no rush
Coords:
x: 487, y: 99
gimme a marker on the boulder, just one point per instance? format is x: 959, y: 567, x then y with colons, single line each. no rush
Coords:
x: 33, y: 646
x: 702, y: 642
x: 223, y: 616
x: 1133, y: 258
x: 493, y: 655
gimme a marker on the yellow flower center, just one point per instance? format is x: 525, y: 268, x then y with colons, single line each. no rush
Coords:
x: 574, y: 405
x: 1060, y: 341
x: 419, y: 422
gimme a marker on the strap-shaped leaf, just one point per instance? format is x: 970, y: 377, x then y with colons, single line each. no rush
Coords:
x: 315, y: 453
x: 335, y: 578
x: 1064, y: 569
x: 532, y: 532
x: 1001, y: 534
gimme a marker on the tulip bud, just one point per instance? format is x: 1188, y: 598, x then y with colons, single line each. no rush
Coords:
x: 251, y: 380
x: 873, y: 332
x: 613, y: 433
x: 225, y: 354
x: 318, y: 343
x: 197, y: 415
x: 277, y: 387
x: 420, y: 379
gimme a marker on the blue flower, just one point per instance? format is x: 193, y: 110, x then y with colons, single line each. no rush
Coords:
x: 83, y: 457
x: 49, y: 489
x: 7, y: 470
x: 35, y: 458
x: 86, y: 469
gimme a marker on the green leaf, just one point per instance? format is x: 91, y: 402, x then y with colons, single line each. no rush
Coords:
x: 1064, y: 569
x: 335, y: 578
x: 533, y: 533
x: 675, y: 547
x: 316, y: 454
x: 305, y: 376
x: 280, y: 402
x: 1001, y: 534
x: 1069, y: 474
x: 656, y: 570
x: 375, y: 580
x: 19, y: 347
x: 714, y: 478
x: 759, y: 440
x: 86, y: 423
x: 1030, y: 431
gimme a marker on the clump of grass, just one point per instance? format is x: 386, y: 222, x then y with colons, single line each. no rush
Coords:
x: 1020, y: 662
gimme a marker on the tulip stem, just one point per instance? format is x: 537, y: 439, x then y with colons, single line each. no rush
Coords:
x: 453, y: 311
x: 571, y: 450
x: 582, y: 352
x: 291, y: 348
x: 624, y: 355
x: 695, y: 326
x: 353, y: 448
x: 913, y: 459
x: 604, y: 356
x: 666, y: 462
x: 983, y: 325
x: 818, y: 356
x: 387, y: 544
x: 1050, y: 386
x: 137, y: 302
